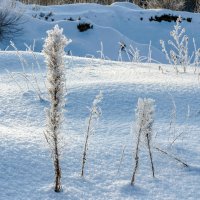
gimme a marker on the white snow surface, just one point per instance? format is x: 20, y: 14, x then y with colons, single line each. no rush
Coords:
x: 26, y: 168
x: 120, y: 22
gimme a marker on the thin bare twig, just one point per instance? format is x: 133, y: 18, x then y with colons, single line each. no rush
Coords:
x: 172, y: 156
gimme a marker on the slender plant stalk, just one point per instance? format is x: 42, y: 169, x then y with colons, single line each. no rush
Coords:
x: 150, y: 155
x: 122, y: 157
x: 136, y: 158
x: 58, y: 186
x: 86, y: 146
x: 95, y: 112
x: 13, y: 78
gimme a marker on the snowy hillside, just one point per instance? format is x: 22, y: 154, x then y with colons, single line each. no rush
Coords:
x: 111, y: 25
x: 25, y: 168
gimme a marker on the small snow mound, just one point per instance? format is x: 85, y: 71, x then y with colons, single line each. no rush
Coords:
x: 127, y: 5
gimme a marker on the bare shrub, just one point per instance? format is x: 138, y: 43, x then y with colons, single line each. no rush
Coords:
x: 192, y: 5
x: 167, y: 4
x: 10, y: 21
x: 197, y: 6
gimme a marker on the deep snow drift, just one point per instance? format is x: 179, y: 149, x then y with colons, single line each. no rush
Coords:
x: 26, y: 169
x: 118, y: 23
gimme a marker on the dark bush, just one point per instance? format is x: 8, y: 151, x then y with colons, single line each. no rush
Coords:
x: 164, y: 17
x: 167, y: 18
x: 50, y: 14
x: 45, y: 16
x: 84, y: 26
x: 189, y: 19
x: 71, y: 19
x: 42, y: 14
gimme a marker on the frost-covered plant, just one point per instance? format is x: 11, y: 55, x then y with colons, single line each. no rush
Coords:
x: 101, y: 52
x: 173, y: 116
x: 179, y: 47
x: 29, y: 79
x: 143, y: 130
x: 165, y: 51
x: 95, y: 112
x: 149, y: 59
x: 135, y: 53
x: 54, y: 53
x: 122, y: 48
x: 196, y: 56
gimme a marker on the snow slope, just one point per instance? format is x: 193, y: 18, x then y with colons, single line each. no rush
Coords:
x: 119, y: 22
x: 26, y: 170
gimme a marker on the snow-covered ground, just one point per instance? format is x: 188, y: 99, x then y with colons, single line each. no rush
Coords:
x: 26, y: 170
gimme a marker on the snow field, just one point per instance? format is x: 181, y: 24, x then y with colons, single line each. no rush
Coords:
x: 26, y: 171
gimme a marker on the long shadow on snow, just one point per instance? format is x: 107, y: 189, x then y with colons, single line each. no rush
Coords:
x: 120, y: 101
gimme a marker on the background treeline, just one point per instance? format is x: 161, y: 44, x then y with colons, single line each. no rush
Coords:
x: 58, y: 2
x: 187, y: 5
